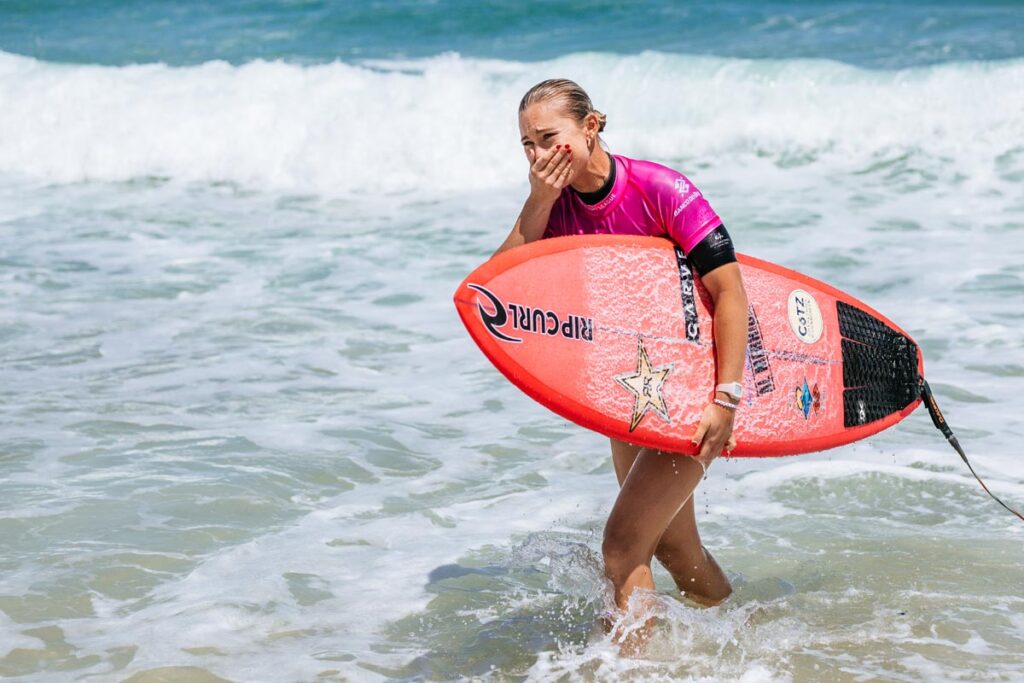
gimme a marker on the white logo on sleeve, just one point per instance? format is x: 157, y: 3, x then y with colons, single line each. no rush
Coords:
x: 682, y: 187
x: 686, y: 203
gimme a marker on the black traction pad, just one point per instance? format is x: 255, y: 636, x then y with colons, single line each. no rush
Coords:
x: 879, y: 367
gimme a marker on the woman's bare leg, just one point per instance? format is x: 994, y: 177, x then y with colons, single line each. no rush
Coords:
x: 694, y: 570
x: 692, y: 567
x: 654, y: 491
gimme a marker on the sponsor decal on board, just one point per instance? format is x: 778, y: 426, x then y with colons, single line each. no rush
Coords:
x: 645, y: 384
x: 805, y: 316
x: 505, y: 320
x: 808, y: 399
x: 689, y: 299
x: 757, y: 357
x: 862, y: 412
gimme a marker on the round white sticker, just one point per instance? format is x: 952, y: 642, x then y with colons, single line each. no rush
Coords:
x: 805, y: 316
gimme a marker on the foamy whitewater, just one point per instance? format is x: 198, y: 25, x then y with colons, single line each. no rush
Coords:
x: 244, y: 436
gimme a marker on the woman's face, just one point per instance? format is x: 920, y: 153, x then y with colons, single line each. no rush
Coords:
x: 545, y: 124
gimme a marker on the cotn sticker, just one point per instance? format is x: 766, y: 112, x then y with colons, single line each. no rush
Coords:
x: 805, y: 316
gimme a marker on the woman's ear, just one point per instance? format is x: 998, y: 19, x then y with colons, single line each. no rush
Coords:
x: 591, y: 126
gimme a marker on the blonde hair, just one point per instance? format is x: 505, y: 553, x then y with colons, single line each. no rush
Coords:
x: 575, y: 100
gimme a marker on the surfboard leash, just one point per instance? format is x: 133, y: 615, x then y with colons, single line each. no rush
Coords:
x: 940, y: 423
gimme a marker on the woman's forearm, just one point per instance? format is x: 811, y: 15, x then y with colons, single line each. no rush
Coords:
x: 731, y: 332
x: 534, y: 218
x: 533, y: 221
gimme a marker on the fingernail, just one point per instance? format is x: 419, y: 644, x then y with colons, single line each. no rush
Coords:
x: 557, y: 146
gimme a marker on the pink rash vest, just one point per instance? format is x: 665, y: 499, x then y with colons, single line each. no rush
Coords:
x: 646, y: 199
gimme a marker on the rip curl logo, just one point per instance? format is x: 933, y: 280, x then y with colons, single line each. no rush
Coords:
x: 530, y: 319
x: 493, y: 320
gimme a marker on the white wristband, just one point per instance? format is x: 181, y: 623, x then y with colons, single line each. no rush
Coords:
x: 726, y: 404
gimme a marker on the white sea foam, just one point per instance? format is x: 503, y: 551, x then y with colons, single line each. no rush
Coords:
x: 449, y: 122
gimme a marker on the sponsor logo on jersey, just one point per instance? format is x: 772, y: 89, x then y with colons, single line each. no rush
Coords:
x: 534, y: 320
x: 603, y: 203
x: 682, y: 187
x: 686, y: 203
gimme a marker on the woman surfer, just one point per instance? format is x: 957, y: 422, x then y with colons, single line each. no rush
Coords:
x: 576, y: 187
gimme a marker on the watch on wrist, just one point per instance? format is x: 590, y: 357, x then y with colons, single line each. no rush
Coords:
x: 733, y: 389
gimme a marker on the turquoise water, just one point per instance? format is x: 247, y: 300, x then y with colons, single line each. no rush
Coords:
x: 871, y: 34
x: 244, y: 435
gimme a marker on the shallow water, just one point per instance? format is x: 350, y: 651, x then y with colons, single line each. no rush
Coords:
x: 244, y: 434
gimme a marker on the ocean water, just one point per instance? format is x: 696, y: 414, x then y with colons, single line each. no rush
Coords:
x: 244, y: 437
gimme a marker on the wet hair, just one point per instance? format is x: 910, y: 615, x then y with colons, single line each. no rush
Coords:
x: 574, y: 99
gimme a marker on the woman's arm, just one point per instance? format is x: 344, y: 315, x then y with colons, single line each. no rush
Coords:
x: 725, y: 286
x: 530, y: 226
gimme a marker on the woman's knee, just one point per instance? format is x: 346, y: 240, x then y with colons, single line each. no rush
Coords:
x: 681, y: 556
x: 622, y: 553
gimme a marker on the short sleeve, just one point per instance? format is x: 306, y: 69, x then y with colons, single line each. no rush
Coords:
x: 690, y: 217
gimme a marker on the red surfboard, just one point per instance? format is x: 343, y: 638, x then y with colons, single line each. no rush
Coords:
x: 615, y: 333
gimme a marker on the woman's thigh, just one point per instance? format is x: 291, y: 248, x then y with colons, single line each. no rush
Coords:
x: 655, y: 488
x: 623, y: 455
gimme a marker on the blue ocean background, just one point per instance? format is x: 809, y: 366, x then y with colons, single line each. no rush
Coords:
x: 871, y: 34
x: 244, y: 437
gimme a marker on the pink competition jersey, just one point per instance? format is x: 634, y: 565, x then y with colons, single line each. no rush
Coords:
x: 646, y: 199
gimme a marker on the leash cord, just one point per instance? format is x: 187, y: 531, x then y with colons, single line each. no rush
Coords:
x: 940, y: 423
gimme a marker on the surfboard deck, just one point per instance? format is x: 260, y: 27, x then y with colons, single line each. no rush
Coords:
x: 616, y: 334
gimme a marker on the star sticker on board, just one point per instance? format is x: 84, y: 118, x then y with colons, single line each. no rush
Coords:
x: 645, y: 384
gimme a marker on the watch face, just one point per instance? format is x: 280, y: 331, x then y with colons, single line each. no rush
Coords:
x: 733, y: 389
